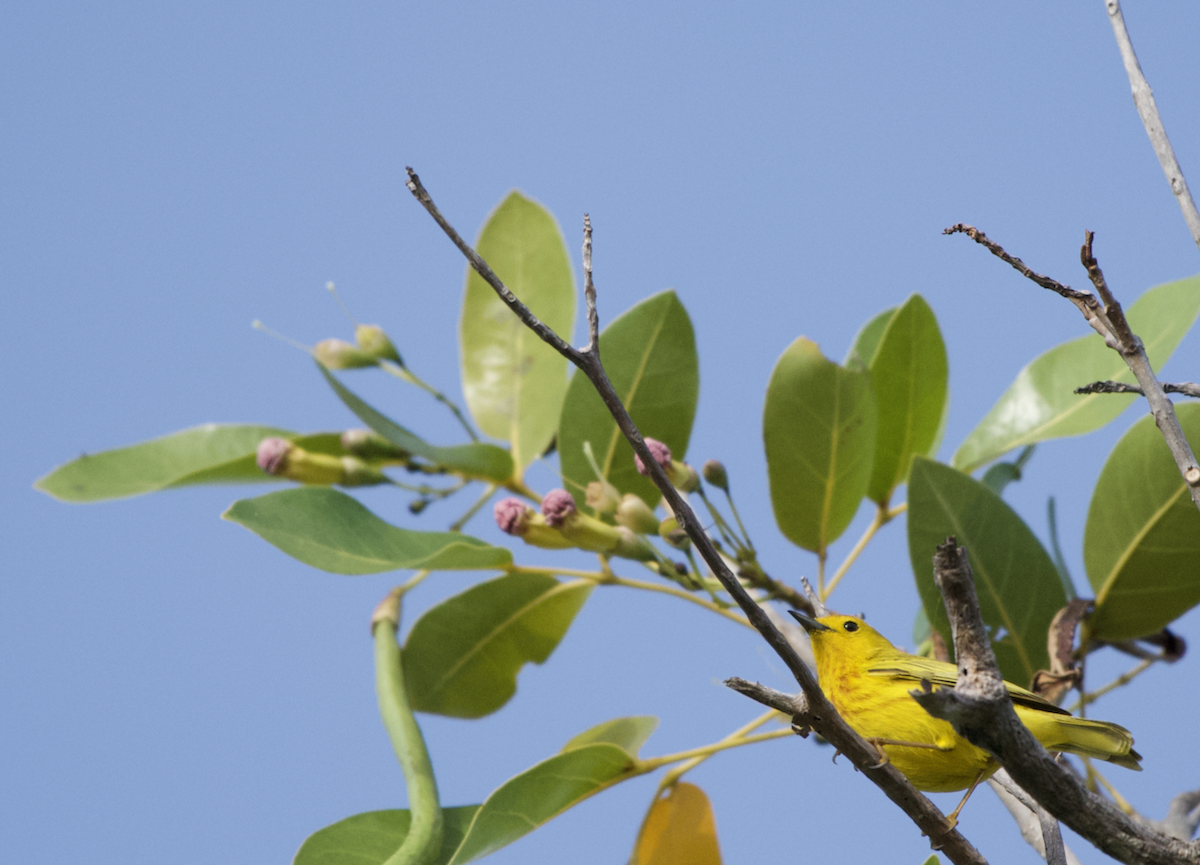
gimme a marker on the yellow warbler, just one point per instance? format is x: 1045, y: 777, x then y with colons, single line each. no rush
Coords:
x: 869, y: 681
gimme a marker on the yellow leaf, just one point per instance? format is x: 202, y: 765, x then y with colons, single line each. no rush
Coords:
x: 679, y: 830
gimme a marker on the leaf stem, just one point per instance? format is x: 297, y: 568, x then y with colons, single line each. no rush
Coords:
x: 610, y: 579
x: 405, y: 374
x: 1123, y: 679
x: 457, y: 525
x: 882, y: 517
x: 671, y: 778
x: 705, y: 751
x: 424, y: 838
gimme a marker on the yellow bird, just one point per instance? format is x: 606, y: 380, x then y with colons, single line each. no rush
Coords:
x: 869, y: 681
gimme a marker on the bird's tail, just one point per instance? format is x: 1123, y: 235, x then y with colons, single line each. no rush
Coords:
x: 1099, y: 739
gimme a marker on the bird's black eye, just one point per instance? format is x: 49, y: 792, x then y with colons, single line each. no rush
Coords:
x: 850, y: 626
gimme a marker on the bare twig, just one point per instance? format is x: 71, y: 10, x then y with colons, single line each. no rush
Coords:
x: 980, y: 709
x: 821, y: 716
x: 1108, y: 320
x: 1030, y: 816
x: 1143, y: 98
x: 1183, y: 816
x: 1187, y: 388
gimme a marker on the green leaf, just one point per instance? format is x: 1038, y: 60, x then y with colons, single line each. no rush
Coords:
x: 866, y: 342
x: 474, y: 460
x: 515, y: 383
x: 1141, y: 546
x: 911, y: 378
x: 819, y: 426
x: 1017, y: 584
x: 1042, y: 404
x: 462, y: 657
x: 212, y: 453
x: 543, y: 792
x: 649, y: 353
x: 629, y: 733
x: 370, y: 838
x: 1000, y: 475
x: 332, y: 531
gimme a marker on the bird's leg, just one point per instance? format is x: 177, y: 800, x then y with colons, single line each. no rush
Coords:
x: 952, y: 820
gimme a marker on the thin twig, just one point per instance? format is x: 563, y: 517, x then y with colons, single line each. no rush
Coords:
x: 1143, y: 98
x: 1187, y: 388
x: 1108, y: 320
x: 823, y: 717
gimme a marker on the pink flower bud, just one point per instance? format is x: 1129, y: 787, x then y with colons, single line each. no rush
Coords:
x: 558, y: 506
x: 511, y: 514
x: 660, y: 452
x: 273, y: 454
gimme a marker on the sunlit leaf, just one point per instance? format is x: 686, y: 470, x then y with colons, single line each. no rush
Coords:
x: 649, y: 353
x: 370, y: 838
x: 1042, y: 404
x: 330, y: 530
x: 819, y: 426
x: 910, y: 375
x: 1018, y: 586
x: 515, y: 383
x: 866, y: 341
x: 679, y: 830
x: 212, y: 453
x: 629, y: 733
x: 1141, y: 546
x: 477, y: 460
x: 462, y: 657
x: 541, y: 793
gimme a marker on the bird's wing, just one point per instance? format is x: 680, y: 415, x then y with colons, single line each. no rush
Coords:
x: 945, y: 675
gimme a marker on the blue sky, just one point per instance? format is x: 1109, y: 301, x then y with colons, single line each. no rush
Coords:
x: 178, y: 691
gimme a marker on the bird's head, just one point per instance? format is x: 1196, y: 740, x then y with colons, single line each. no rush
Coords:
x: 845, y: 637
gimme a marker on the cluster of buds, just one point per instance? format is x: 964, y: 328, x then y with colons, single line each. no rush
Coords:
x: 282, y: 458
x: 682, y: 476
x: 560, y: 526
x: 373, y: 346
x: 369, y: 445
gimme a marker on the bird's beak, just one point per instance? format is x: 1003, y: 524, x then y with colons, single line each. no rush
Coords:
x: 807, y: 622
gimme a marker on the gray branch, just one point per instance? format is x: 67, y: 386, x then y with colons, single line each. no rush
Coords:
x: 1186, y: 388
x: 821, y: 715
x: 1143, y: 98
x: 1108, y: 320
x: 1033, y: 820
x: 979, y: 708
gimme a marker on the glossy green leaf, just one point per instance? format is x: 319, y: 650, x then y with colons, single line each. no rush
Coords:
x: 543, y: 792
x: 1141, y: 546
x: 819, y: 426
x: 212, y: 453
x: 866, y: 341
x: 462, y: 657
x: 1017, y: 584
x: 629, y: 733
x: 1042, y: 404
x: 370, y: 838
x: 649, y: 353
x: 330, y: 530
x: 911, y: 378
x: 477, y: 460
x: 515, y: 383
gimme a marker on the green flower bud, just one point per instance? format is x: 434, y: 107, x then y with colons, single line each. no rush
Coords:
x: 714, y: 473
x: 339, y: 354
x: 633, y: 546
x: 356, y: 473
x: 603, y: 497
x: 636, y: 515
x: 676, y: 537
x: 373, y: 341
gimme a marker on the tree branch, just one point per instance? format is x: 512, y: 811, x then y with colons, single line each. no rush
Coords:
x: 1143, y: 98
x: 1186, y: 388
x: 821, y: 716
x: 980, y: 709
x: 1109, y: 321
